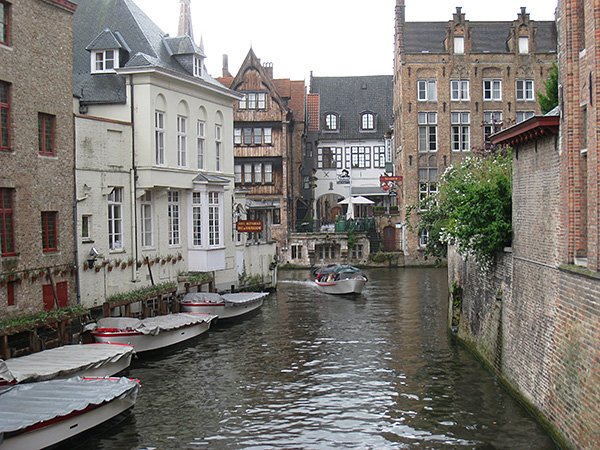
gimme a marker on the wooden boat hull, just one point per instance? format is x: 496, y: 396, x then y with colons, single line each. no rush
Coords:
x: 148, y: 342
x: 342, y: 287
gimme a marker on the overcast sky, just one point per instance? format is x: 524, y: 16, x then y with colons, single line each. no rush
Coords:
x: 327, y: 37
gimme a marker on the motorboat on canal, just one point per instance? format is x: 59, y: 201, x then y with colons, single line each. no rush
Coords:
x: 340, y: 279
x: 84, y: 360
x: 225, y: 306
x: 153, y: 333
x: 45, y: 413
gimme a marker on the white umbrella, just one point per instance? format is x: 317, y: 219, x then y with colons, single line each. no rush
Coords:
x: 360, y: 200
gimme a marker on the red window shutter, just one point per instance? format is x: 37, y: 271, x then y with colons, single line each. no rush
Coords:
x: 48, y: 297
x: 62, y: 290
x: 10, y: 293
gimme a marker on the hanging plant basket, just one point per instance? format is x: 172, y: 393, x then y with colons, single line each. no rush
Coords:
x: 124, y: 265
x: 97, y: 269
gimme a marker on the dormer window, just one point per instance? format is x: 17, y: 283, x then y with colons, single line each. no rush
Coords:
x: 105, y: 61
x: 523, y: 45
x: 459, y: 45
x: 367, y: 121
x: 253, y: 100
x: 197, y: 66
x: 331, y: 122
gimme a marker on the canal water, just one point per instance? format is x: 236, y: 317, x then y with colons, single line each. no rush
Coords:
x: 315, y: 371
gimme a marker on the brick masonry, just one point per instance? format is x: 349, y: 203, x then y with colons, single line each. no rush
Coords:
x: 39, y: 72
x: 531, y: 318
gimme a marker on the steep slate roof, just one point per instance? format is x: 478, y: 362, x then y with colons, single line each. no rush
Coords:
x: 147, y: 47
x: 349, y: 97
x: 485, y: 36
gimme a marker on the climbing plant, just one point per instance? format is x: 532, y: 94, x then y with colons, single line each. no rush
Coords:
x: 472, y: 209
x: 549, y: 100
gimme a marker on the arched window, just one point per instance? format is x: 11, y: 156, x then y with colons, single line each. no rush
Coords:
x: 367, y: 121
x: 331, y: 122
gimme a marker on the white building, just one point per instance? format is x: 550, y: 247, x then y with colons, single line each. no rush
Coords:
x: 154, y: 170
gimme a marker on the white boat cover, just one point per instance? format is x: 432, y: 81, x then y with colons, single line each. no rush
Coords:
x: 24, y: 405
x: 238, y: 298
x: 154, y: 325
x: 65, y: 361
x: 5, y: 375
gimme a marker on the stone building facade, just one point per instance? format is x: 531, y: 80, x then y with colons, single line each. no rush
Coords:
x: 37, y: 259
x: 534, y: 318
x: 455, y: 83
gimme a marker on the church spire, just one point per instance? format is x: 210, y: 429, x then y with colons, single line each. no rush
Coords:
x: 185, y: 19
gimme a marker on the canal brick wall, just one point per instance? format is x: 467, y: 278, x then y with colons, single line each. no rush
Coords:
x: 533, y: 320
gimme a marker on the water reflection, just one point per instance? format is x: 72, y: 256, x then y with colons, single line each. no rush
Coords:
x: 314, y: 371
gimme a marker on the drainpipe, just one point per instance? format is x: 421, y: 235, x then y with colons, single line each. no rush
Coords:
x: 133, y: 186
x: 75, y: 240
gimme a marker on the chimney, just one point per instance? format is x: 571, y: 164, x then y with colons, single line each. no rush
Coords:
x: 268, y: 66
x: 185, y: 19
x: 226, y: 66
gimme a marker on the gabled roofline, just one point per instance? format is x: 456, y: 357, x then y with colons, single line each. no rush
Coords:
x: 252, y: 61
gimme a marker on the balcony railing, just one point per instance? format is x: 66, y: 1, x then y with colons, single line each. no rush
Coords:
x: 341, y: 225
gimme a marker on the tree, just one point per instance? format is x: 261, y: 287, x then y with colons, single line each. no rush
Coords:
x: 472, y: 209
x: 549, y: 100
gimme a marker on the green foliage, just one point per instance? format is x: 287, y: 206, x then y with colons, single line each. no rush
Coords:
x: 141, y: 294
x: 382, y: 257
x: 23, y: 323
x: 472, y: 209
x: 549, y: 100
x: 351, y: 239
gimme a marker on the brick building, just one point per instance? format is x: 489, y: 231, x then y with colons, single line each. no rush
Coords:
x: 37, y: 255
x: 455, y: 83
x: 268, y: 140
x: 535, y: 318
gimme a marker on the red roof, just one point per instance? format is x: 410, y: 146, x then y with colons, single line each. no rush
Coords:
x: 312, y: 109
x: 528, y: 130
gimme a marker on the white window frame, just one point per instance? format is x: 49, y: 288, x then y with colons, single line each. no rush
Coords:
x: 86, y: 227
x: 459, y: 45
x: 218, y: 147
x: 360, y: 156
x: 492, y: 123
x: 268, y: 177
x: 459, y: 90
x: 268, y: 136
x: 379, y: 157
x: 115, y: 219
x: 427, y: 90
x: 197, y: 219
x: 492, y: 89
x: 261, y: 100
x: 523, y: 45
x: 101, y: 57
x: 200, y: 143
x: 174, y: 218
x: 427, y: 122
x: 423, y: 238
x: 461, y: 131
x: 367, y: 121
x: 181, y: 141
x: 159, y: 137
x: 214, y: 219
x: 331, y: 122
x: 197, y: 66
x: 237, y: 172
x: 243, y: 103
x: 525, y: 90
x: 524, y: 115
x: 237, y: 136
x: 146, y: 232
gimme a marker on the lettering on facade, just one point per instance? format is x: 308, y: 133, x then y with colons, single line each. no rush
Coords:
x: 249, y: 226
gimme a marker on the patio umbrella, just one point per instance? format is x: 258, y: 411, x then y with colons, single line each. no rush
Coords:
x: 360, y: 200
x: 350, y: 211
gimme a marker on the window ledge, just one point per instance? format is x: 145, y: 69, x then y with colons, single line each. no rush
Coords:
x: 583, y: 151
x: 579, y: 270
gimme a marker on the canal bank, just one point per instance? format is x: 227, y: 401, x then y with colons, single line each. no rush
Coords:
x: 314, y: 371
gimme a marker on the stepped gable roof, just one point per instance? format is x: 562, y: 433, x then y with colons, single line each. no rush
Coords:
x: 486, y: 37
x: 121, y: 24
x: 349, y: 97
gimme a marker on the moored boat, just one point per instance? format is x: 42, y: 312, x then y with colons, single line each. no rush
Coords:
x: 340, y: 279
x: 84, y: 360
x: 225, y: 306
x: 42, y: 414
x: 153, y: 333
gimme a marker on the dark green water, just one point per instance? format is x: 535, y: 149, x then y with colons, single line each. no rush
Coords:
x: 314, y: 371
